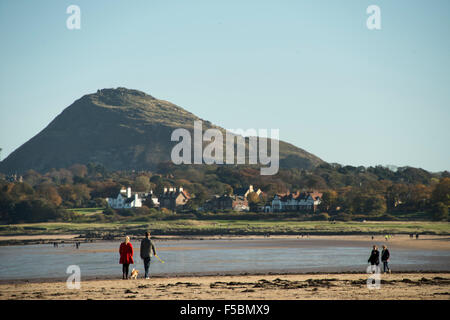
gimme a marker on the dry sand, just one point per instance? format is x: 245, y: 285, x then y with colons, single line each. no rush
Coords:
x: 284, y: 287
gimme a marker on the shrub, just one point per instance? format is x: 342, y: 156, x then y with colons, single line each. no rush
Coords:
x: 343, y: 217
x: 385, y: 217
x: 109, y: 211
x: 126, y: 212
x: 141, y: 211
x: 323, y: 216
x: 165, y: 210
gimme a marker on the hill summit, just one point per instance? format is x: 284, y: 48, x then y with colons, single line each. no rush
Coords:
x: 122, y: 129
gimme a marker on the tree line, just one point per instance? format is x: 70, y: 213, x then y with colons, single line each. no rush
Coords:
x: 348, y: 191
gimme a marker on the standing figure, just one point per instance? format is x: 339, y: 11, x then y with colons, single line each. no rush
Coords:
x: 146, y: 252
x: 385, y: 255
x: 374, y: 258
x: 126, y: 256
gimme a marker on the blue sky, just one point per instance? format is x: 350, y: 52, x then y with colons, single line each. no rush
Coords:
x: 310, y: 68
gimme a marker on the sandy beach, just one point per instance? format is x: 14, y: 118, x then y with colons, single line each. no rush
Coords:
x: 428, y: 286
x: 284, y: 286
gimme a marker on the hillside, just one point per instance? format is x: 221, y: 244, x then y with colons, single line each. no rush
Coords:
x: 121, y: 129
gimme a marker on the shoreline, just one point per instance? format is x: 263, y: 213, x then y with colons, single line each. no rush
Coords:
x: 336, y: 286
x: 428, y: 242
x: 193, y: 275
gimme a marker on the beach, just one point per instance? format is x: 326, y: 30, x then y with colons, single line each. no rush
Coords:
x: 408, y: 281
x: 428, y: 286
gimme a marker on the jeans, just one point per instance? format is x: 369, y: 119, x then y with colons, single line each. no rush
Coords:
x: 146, y: 266
x: 385, y: 266
x: 125, y: 268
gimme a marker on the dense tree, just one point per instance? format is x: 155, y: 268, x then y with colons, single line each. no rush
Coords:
x: 329, y: 201
x: 440, y: 211
x: 78, y: 170
x: 142, y: 184
x: 441, y: 192
x: 50, y: 193
x: 32, y: 177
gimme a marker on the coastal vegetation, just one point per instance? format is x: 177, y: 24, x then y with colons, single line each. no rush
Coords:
x: 78, y: 193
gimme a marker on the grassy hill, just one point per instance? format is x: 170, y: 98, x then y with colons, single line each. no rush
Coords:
x: 121, y: 129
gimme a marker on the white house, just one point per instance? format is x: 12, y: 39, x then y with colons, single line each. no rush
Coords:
x: 125, y: 200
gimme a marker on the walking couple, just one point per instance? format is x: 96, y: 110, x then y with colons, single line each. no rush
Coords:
x: 126, y: 254
x: 374, y: 258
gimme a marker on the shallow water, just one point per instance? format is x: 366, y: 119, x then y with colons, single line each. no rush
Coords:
x: 184, y: 257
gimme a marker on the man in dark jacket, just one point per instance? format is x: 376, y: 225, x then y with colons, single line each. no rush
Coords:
x: 374, y: 258
x: 385, y: 258
x: 146, y: 248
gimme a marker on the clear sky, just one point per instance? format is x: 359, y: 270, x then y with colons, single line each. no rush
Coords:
x: 309, y: 68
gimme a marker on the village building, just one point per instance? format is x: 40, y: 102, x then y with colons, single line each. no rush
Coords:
x: 125, y: 200
x: 227, y: 202
x: 244, y: 192
x: 173, y: 198
x: 298, y: 201
x: 14, y: 178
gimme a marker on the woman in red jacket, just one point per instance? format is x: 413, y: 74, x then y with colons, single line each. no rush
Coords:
x: 126, y: 256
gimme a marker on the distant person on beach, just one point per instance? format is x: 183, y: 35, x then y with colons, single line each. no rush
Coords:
x: 147, y: 247
x: 417, y: 236
x: 374, y: 258
x: 126, y: 256
x: 385, y: 258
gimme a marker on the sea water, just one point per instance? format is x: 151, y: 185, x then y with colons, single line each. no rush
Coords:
x: 190, y: 257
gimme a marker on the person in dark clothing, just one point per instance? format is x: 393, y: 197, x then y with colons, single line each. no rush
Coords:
x: 385, y: 258
x: 374, y: 258
x: 147, y: 247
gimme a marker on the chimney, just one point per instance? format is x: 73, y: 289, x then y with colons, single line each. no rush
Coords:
x: 180, y: 189
x: 165, y: 190
x: 128, y: 192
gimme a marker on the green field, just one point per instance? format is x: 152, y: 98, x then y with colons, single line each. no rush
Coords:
x: 86, y: 211
x: 230, y: 227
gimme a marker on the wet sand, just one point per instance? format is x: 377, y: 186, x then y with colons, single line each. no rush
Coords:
x: 40, y: 237
x: 425, y: 242
x: 434, y: 286
x: 399, y: 241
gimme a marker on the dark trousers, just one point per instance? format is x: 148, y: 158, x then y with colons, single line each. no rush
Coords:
x: 125, y: 269
x: 385, y: 266
x: 146, y: 266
